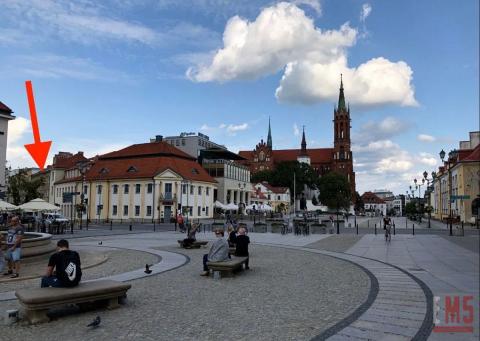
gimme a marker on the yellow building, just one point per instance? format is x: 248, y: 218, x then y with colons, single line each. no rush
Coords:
x: 456, y: 187
x: 142, y: 182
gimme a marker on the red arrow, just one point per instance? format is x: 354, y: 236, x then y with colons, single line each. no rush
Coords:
x: 38, y: 150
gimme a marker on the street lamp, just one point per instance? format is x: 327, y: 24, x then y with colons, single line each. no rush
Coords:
x: 82, y: 167
x: 452, y: 158
x: 429, y: 191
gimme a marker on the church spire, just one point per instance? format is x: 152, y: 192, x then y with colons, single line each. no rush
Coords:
x: 304, y: 143
x: 269, y: 138
x: 341, y: 97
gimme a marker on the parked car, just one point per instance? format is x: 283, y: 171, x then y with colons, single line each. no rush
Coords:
x: 55, y: 218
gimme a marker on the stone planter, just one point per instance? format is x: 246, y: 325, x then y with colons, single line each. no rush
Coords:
x: 36, y: 244
x: 276, y: 228
x: 260, y: 228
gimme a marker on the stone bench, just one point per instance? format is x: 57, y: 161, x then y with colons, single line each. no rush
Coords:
x: 36, y: 302
x: 195, y: 245
x: 226, y: 268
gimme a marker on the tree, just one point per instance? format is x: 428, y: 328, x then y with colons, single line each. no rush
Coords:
x: 21, y: 187
x: 265, y: 175
x: 410, y: 209
x: 335, y: 191
x: 359, y: 204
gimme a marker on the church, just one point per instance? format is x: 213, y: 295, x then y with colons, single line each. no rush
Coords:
x: 323, y: 160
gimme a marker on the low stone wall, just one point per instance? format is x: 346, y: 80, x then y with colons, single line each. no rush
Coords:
x: 35, y: 244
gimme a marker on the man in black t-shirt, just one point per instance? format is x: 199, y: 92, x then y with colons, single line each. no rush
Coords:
x: 67, y: 268
x: 241, y: 243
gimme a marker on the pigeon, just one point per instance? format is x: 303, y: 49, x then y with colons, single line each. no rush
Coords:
x: 95, y: 323
x: 147, y: 269
x: 100, y: 243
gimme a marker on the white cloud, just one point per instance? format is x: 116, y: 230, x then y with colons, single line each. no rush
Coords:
x: 282, y: 37
x: 426, y: 138
x: 56, y: 67
x: 428, y: 159
x: 81, y: 21
x: 366, y: 10
x: 296, y: 131
x: 232, y: 129
x: 19, y: 133
x: 385, y: 129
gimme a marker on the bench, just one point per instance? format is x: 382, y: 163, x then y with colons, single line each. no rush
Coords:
x: 195, y: 245
x: 36, y: 302
x: 226, y: 268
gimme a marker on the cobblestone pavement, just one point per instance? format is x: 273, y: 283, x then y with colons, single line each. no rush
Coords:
x: 338, y: 243
x: 287, y: 295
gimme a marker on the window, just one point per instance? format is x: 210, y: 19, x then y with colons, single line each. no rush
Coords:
x: 125, y: 209
x: 261, y: 156
x: 183, y: 142
x: 131, y: 169
x: 125, y: 189
x: 99, y: 209
x: 99, y: 189
x: 85, y: 189
x: 207, y: 190
x: 168, y: 188
x: 184, y: 189
x: 137, y: 211
x: 115, y: 189
x: 206, y: 210
x: 114, y: 210
x: 199, y: 190
x: 199, y: 211
x: 177, y: 143
x: 137, y: 188
x: 149, y: 210
x: 278, y: 197
x: 149, y: 188
x: 191, y: 189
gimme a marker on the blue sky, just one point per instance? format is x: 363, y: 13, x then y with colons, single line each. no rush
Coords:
x: 111, y: 74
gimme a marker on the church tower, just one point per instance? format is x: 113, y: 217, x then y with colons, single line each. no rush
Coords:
x: 269, y: 137
x: 303, y: 156
x: 342, y: 154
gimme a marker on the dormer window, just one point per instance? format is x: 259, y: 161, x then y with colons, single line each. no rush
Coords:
x: 195, y: 171
x: 103, y: 171
x: 132, y: 169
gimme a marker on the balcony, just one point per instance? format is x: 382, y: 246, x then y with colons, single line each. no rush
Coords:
x: 168, y: 196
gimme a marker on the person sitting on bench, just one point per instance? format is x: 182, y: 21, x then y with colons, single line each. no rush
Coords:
x: 187, y: 242
x: 242, y: 242
x: 67, y: 268
x: 218, y: 252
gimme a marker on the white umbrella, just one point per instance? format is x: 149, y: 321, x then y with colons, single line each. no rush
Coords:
x: 38, y: 205
x: 251, y: 207
x: 231, y: 206
x: 218, y: 204
x: 265, y: 207
x: 5, y: 206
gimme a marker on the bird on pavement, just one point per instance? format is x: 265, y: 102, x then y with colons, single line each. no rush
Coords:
x: 95, y: 323
x: 147, y: 269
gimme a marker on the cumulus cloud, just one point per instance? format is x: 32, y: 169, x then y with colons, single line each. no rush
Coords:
x: 230, y: 129
x: 366, y: 10
x: 19, y: 130
x: 282, y: 37
x: 314, y: 4
x: 426, y: 138
x: 234, y: 128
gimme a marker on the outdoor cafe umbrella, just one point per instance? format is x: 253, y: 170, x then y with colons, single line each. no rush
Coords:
x: 218, y: 204
x: 231, y: 206
x: 266, y: 207
x: 38, y: 205
x: 5, y: 206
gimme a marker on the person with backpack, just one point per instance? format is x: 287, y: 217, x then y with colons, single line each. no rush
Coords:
x: 64, y: 269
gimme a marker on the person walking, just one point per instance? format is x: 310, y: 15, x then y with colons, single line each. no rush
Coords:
x: 13, y: 255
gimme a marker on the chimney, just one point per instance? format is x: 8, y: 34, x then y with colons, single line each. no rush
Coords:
x: 158, y: 138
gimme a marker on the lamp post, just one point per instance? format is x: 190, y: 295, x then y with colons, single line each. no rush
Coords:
x: 452, y: 158
x: 82, y: 167
x: 429, y: 191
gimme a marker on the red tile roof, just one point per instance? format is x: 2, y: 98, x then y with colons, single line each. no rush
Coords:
x: 5, y: 109
x: 66, y: 180
x: 69, y: 161
x: 474, y: 155
x: 317, y: 155
x: 371, y: 198
x: 277, y: 190
x: 161, y: 148
x: 146, y: 167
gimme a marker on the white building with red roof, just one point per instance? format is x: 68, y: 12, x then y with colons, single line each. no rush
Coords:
x: 276, y: 197
x: 142, y: 182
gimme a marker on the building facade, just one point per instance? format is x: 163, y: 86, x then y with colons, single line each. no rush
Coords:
x: 456, y: 189
x: 373, y: 205
x: 323, y: 160
x: 190, y: 143
x: 5, y: 117
x: 143, y: 182
x: 276, y: 197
